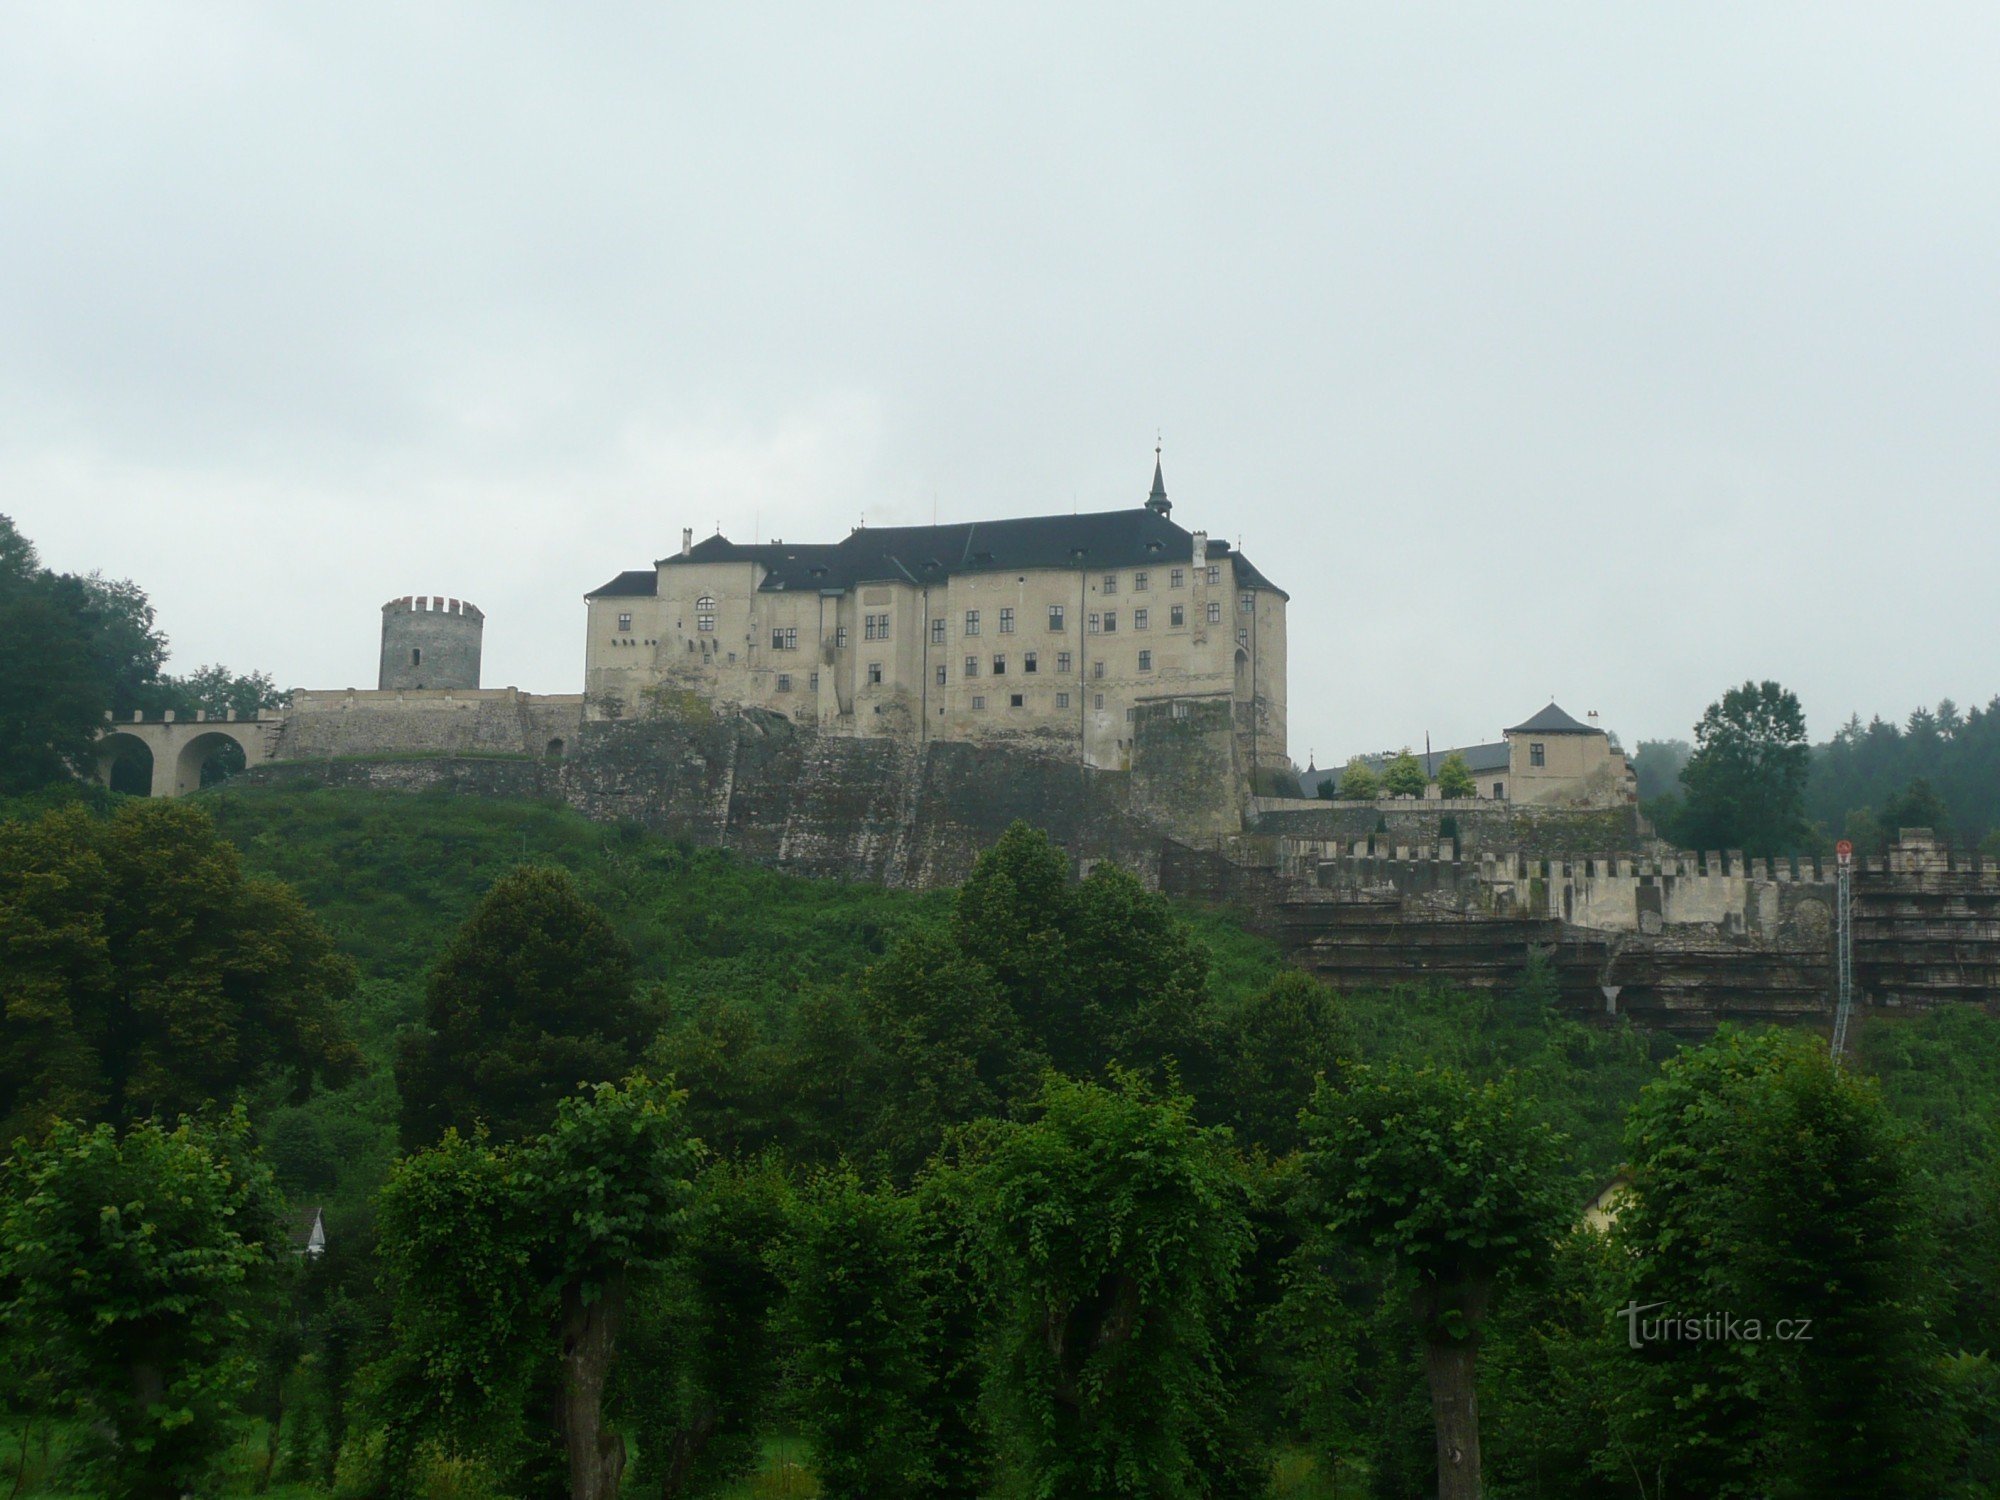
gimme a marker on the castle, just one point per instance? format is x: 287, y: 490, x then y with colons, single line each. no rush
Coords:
x: 1051, y: 633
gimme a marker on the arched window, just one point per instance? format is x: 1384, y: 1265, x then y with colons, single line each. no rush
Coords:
x: 704, y: 613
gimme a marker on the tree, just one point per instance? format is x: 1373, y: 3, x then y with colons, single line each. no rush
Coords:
x: 1457, y: 1185
x: 1916, y: 806
x: 533, y: 995
x: 1358, y: 783
x: 149, y: 975
x: 52, y: 695
x: 511, y: 1266
x: 865, y: 1343
x: 137, y: 1259
x: 1287, y: 1034
x: 1096, y: 971
x: 698, y: 1359
x: 1405, y: 776
x: 1657, y: 767
x: 1747, y: 779
x: 1771, y: 1188
x: 217, y: 691
x: 951, y: 1045
x: 1455, y: 777
x: 1111, y: 1231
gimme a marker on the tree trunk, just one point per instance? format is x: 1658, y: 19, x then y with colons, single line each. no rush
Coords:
x: 589, y: 1338
x: 1450, y: 1318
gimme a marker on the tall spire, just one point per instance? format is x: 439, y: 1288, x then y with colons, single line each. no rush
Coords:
x: 1157, y: 502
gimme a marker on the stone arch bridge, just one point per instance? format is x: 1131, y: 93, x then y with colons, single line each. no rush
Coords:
x: 173, y: 751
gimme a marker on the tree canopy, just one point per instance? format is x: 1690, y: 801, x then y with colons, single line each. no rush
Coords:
x: 148, y: 975
x: 1746, y: 781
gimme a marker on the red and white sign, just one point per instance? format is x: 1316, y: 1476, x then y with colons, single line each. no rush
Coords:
x: 1844, y: 851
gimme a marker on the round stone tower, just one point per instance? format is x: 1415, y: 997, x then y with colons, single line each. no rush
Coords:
x: 429, y: 642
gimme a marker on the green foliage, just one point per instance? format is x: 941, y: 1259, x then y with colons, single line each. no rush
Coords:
x: 1285, y: 1037
x: 534, y: 996
x: 1955, y: 755
x: 1656, y: 765
x: 1455, y: 777
x: 508, y: 1267
x: 148, y: 974
x: 1772, y: 1187
x: 1456, y: 1182
x: 1358, y: 783
x: 1404, y: 776
x: 1746, y: 781
x: 53, y: 695
x: 865, y: 1343
x: 1096, y: 971
x: 1112, y: 1232
x: 134, y: 1263
x: 699, y: 1357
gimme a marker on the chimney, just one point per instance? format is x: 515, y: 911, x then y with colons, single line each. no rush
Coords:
x: 687, y: 540
x: 1200, y: 550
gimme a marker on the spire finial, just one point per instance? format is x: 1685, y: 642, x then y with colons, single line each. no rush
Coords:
x: 1157, y: 502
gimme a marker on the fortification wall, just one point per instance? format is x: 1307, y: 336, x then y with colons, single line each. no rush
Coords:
x: 1482, y: 827
x: 466, y: 721
x: 430, y: 642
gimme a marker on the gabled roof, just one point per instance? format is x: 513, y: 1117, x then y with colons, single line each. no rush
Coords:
x: 1552, y: 720
x: 924, y: 554
x: 635, y: 583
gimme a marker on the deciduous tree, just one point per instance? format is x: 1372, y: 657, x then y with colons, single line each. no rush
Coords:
x: 1746, y: 781
x: 1358, y: 783
x: 1405, y: 776
x: 149, y: 975
x: 534, y: 995
x: 136, y: 1258
x: 1457, y: 1185
x: 1455, y: 777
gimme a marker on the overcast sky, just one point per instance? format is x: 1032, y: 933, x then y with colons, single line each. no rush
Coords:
x: 1618, y: 352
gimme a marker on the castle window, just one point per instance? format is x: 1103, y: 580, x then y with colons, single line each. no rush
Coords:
x: 1062, y: 661
x: 1499, y: 791
x: 624, y: 623
x: 784, y: 682
x: 1131, y: 716
x: 978, y: 703
x: 1180, y: 710
x: 1110, y: 621
x: 1055, y: 617
x: 1177, y: 616
x: 1028, y: 662
x: 1006, y: 622
x: 1538, y: 755
x: 1214, y: 573
x: 1139, y: 582
x: 972, y: 622
x: 875, y: 627
x: 785, y: 639
x: 812, y: 682
x: 972, y: 666
x: 999, y: 666
x: 840, y: 637
x: 1177, y: 578
x: 1139, y: 618
x: 1145, y: 661
x: 1062, y: 700
x: 1110, y: 583
x: 1096, y: 623
x: 1097, y: 669
x: 1014, y: 700
x: 704, y: 613
x: 937, y: 632
x: 416, y: 656
x: 1214, y: 613
x: 1243, y: 637
x: 1100, y: 703
x: 1246, y: 602
x: 940, y: 676
x: 874, y: 674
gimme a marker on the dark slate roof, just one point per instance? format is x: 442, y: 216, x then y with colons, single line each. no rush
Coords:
x: 1482, y: 760
x: 923, y: 554
x: 634, y: 583
x: 1553, y: 720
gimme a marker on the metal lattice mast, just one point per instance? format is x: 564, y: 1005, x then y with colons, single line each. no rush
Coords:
x: 1843, y: 954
